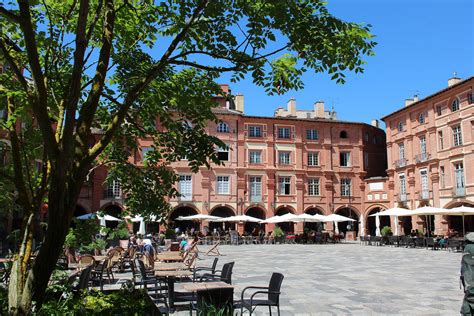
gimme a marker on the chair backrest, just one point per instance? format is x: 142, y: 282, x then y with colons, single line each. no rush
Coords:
x: 226, y: 274
x: 84, y: 278
x: 214, y: 265
x: 141, y: 268
x: 274, y: 286
x: 86, y: 259
x: 211, y: 299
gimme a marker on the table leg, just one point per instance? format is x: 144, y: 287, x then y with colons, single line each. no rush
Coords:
x: 171, y: 292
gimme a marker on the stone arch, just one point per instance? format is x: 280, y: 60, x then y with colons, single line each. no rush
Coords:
x: 351, y: 212
x: 222, y: 210
x: 112, y: 209
x: 288, y: 227
x: 258, y: 212
x: 317, y: 226
x: 370, y: 221
x: 456, y: 222
x: 183, y: 210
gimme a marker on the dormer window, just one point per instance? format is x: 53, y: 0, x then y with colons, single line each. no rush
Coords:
x: 455, y: 105
x: 343, y: 134
x: 223, y: 128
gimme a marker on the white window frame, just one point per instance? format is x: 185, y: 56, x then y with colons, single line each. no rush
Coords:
x: 403, y: 184
x: 224, y: 150
x: 440, y: 140
x: 255, y: 131
x: 457, y: 135
x: 346, y: 187
x: 345, y: 159
x: 144, y: 150
x: 114, y: 189
x: 442, y: 177
x: 284, y: 158
x: 312, y: 134
x: 401, y: 151
x: 422, y: 144
x: 255, y: 184
x: 459, y: 179
x: 284, y: 185
x: 223, y: 127
x: 313, y: 158
x: 255, y: 156
x: 425, y: 187
x: 283, y: 132
x: 421, y: 118
x: 400, y: 126
x: 314, y: 187
x: 185, y: 187
x: 223, y: 184
x: 455, y: 105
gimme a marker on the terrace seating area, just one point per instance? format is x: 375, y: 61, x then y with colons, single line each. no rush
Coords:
x: 433, y: 243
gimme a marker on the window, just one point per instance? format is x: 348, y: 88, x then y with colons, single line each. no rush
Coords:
x: 366, y: 137
x: 223, y: 128
x: 421, y: 118
x: 283, y: 132
x: 255, y: 189
x: 313, y: 187
x: 439, y: 110
x: 312, y: 134
x: 455, y: 105
x: 222, y: 184
x: 366, y: 160
x: 283, y: 158
x: 185, y: 187
x: 470, y: 98
x: 313, y: 159
x: 223, y: 154
x: 255, y: 131
x: 403, y: 187
x: 345, y: 159
x: 145, y: 151
x: 400, y: 126
x: 343, y: 134
x: 459, y: 175
x: 424, y: 184
x: 457, y: 136
x: 284, y: 185
x: 440, y: 140
x: 442, y: 177
x: 375, y: 140
x: 423, y: 145
x: 113, y: 189
x: 255, y: 156
x: 401, y: 151
x: 345, y: 187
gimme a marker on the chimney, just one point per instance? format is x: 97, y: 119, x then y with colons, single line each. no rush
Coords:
x: 239, y: 102
x: 415, y: 98
x: 409, y: 101
x: 292, y: 107
x: 375, y: 123
x: 319, y: 109
x: 452, y: 81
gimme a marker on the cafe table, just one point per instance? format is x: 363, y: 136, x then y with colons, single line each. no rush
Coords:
x: 170, y: 266
x: 171, y: 277
x: 170, y: 256
x: 201, y: 286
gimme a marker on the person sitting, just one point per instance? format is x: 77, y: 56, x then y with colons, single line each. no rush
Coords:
x: 149, y: 251
x: 183, y: 245
x: 413, y: 233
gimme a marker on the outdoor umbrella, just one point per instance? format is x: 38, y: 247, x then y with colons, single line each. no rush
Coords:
x: 460, y: 211
x: 429, y: 210
x: 309, y: 218
x: 105, y: 217
x: 288, y: 217
x: 198, y: 217
x: 141, y: 229
x: 396, y: 211
x: 239, y: 218
x: 336, y: 218
x: 377, y: 225
x: 273, y: 219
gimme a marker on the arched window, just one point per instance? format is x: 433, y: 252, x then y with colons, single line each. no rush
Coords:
x: 421, y: 118
x: 455, y: 105
x: 343, y: 134
x: 222, y: 127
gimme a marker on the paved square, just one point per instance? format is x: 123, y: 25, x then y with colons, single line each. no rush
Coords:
x: 349, y: 279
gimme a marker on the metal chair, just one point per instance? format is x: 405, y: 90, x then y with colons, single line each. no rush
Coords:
x: 273, y: 298
x: 225, y: 275
x: 211, y: 269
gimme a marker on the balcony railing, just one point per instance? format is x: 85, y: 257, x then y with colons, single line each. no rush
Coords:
x: 459, y: 192
x: 400, y: 163
x: 422, y: 157
x: 424, y: 195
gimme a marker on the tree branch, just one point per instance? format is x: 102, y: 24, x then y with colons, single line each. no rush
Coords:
x: 9, y: 15
x: 135, y: 92
x: 15, y: 68
x: 39, y: 104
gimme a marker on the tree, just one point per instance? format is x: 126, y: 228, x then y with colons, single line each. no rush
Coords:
x: 78, y: 66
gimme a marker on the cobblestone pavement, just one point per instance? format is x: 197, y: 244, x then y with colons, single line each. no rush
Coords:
x: 349, y: 279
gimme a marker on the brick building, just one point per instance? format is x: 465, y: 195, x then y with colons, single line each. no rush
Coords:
x: 430, y: 151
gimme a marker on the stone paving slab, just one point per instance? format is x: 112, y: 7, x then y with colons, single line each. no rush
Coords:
x: 349, y: 279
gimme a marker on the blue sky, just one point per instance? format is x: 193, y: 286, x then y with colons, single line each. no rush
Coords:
x: 420, y: 44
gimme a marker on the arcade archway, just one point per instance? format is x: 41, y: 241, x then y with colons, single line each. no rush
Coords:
x: 287, y: 227
x: 222, y: 211
x: 114, y: 210
x: 371, y: 221
x: 254, y: 227
x: 455, y: 223
x: 317, y: 227
x: 348, y: 225
x: 183, y: 225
